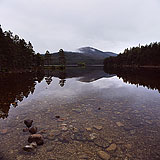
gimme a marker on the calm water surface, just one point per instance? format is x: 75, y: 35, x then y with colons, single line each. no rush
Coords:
x: 98, y: 112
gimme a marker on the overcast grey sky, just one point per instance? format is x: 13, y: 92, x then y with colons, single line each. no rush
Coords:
x: 109, y: 25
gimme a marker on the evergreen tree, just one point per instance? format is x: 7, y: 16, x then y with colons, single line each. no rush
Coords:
x: 16, y: 53
x: 62, y: 60
x: 148, y: 55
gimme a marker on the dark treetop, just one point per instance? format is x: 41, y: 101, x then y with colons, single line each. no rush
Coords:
x: 16, y: 54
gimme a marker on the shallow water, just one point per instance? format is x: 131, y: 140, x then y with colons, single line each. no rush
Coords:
x: 96, y: 111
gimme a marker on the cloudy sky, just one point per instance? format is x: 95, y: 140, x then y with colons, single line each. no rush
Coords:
x: 109, y: 25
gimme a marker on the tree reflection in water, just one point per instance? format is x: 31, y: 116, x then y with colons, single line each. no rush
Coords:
x: 149, y: 78
x: 14, y: 87
x: 62, y: 76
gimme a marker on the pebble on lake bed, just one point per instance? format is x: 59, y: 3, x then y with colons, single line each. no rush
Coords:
x: 101, y: 142
x: 103, y: 155
x: 93, y: 136
x: 28, y: 122
x: 57, y: 117
x: 25, y: 129
x: 128, y: 146
x: 34, y: 144
x: 33, y: 130
x: 75, y: 130
x: 89, y: 129
x: 63, y: 124
x: 30, y: 147
x: 64, y: 128
x: 38, y: 138
x: 97, y: 127
x: 112, y: 147
x: 3, y: 131
x: 119, y: 124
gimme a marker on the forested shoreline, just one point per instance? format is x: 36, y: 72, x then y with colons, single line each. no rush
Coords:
x: 16, y: 54
x: 147, y: 56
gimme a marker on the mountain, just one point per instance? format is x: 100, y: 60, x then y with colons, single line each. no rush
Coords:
x: 87, y: 55
x: 92, y: 52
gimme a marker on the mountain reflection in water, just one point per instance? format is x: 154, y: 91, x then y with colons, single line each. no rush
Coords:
x: 14, y: 87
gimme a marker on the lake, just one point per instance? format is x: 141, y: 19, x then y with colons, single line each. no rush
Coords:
x: 82, y: 114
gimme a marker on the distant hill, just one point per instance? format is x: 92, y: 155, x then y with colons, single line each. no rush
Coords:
x: 87, y: 55
x: 92, y: 52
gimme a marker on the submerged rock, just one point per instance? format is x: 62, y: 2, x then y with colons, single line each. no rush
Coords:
x: 101, y: 143
x: 132, y: 132
x: 78, y: 137
x: 3, y: 131
x: 112, y: 147
x: 25, y: 129
x: 28, y: 122
x: 103, y: 155
x: 75, y: 130
x: 49, y: 149
x: 64, y: 139
x: 54, y: 132
x: 57, y: 117
x: 64, y: 128
x: 128, y: 146
x: 119, y: 124
x: 34, y: 144
x: 51, y: 136
x: 83, y: 157
x: 97, y: 127
x: 89, y: 129
x: 63, y: 124
x: 33, y: 130
x: 92, y: 136
x: 38, y: 138
x: 77, y: 110
x: 30, y: 147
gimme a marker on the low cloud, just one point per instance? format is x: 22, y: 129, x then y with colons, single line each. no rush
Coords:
x: 109, y: 25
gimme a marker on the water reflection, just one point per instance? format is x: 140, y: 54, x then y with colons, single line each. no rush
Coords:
x: 14, y: 87
x: 140, y: 77
x: 62, y: 76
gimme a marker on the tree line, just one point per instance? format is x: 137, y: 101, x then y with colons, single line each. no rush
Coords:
x: 16, y: 53
x: 50, y: 59
x: 148, y: 55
